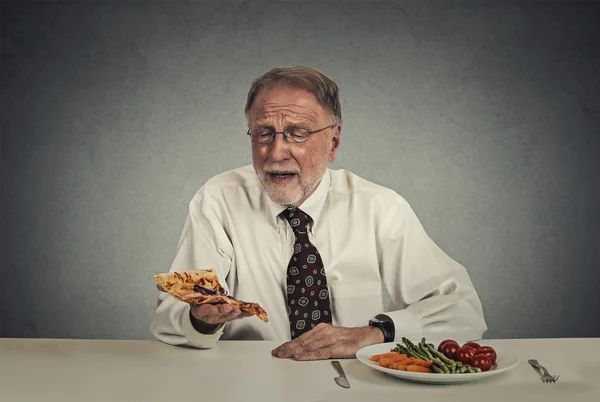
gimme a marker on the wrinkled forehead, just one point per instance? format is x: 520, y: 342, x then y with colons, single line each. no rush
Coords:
x: 283, y: 102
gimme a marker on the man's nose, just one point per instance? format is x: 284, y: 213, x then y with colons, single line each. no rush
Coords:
x: 279, y: 149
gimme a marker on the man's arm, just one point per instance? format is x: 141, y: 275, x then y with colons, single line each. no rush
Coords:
x: 431, y: 294
x: 203, y: 244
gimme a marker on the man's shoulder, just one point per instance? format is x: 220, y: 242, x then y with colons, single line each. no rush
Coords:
x: 240, y: 178
x: 346, y: 182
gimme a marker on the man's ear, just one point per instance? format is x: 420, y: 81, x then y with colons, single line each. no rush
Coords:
x: 335, y: 142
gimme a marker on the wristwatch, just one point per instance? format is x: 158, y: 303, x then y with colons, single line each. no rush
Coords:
x: 386, y: 325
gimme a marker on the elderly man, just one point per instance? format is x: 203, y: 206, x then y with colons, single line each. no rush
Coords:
x: 337, y: 262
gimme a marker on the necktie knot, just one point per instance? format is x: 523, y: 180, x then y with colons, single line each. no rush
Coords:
x: 297, y: 219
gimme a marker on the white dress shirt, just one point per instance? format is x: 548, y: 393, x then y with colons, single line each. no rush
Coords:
x: 377, y: 258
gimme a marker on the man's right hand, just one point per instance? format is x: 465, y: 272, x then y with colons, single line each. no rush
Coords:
x: 217, y: 313
x: 208, y: 318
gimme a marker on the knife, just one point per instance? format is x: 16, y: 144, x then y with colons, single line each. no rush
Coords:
x: 342, y: 381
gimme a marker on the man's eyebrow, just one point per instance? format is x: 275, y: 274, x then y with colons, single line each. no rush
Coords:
x: 264, y: 125
x: 296, y: 124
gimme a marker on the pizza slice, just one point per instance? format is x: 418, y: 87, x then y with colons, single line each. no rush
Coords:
x: 202, y: 286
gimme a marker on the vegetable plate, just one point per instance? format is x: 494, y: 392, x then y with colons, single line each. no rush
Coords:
x: 438, y: 362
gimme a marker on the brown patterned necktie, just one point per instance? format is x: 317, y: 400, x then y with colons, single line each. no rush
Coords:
x: 307, y: 294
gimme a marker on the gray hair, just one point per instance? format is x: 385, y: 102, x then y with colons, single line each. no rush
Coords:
x: 305, y: 78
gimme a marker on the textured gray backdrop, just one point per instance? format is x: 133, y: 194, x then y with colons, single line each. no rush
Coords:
x: 485, y: 117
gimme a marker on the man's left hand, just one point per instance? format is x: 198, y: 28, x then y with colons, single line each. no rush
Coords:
x: 329, y: 342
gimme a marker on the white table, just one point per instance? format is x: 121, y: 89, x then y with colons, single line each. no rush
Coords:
x: 68, y: 370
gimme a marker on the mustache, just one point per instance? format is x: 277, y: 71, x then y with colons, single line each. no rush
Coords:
x: 281, y: 169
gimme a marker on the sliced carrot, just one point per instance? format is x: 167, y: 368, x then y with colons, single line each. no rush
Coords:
x: 397, y: 358
x: 385, y: 362
x: 416, y: 368
x: 409, y: 361
x: 376, y: 358
x: 423, y: 363
x: 398, y: 366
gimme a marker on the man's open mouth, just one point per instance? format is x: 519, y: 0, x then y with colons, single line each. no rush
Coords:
x: 282, y: 175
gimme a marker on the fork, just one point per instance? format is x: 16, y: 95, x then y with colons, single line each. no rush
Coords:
x: 545, y: 377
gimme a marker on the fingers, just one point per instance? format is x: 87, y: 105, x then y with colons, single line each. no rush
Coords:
x: 288, y: 349
x: 232, y: 315
x: 300, y: 346
x: 217, y: 313
x: 328, y: 352
x: 315, y: 339
x: 205, y: 310
x: 284, y: 350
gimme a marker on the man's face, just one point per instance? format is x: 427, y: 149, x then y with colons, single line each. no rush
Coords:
x: 289, y: 173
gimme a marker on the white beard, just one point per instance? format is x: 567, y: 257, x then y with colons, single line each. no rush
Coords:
x: 281, y: 195
x: 290, y: 195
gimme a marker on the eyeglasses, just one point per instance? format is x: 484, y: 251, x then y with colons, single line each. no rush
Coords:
x: 292, y: 135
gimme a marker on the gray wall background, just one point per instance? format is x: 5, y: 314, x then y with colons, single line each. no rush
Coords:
x: 484, y: 116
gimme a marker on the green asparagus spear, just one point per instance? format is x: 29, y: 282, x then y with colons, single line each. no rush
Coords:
x: 401, y: 349
x: 413, y: 349
x: 419, y: 354
x: 407, y: 342
x: 426, y: 353
x: 423, y: 347
x: 442, y: 357
x: 436, y: 369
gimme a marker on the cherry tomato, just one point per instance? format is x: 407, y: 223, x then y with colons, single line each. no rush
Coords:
x: 482, y: 361
x: 488, y: 351
x: 473, y: 345
x: 464, y: 354
x: 442, y: 343
x: 449, y: 349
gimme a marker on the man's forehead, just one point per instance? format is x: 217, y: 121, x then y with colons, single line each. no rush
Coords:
x: 285, y: 102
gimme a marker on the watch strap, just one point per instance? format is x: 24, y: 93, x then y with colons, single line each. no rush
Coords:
x: 386, y: 324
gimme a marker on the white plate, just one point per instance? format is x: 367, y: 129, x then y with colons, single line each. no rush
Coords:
x: 504, y: 362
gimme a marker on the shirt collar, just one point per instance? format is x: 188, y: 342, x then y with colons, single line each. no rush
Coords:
x: 312, y: 206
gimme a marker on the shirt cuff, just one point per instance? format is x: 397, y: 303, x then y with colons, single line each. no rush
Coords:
x: 406, y: 324
x: 195, y: 338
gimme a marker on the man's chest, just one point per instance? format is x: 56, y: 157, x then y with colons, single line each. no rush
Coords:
x: 348, y: 252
